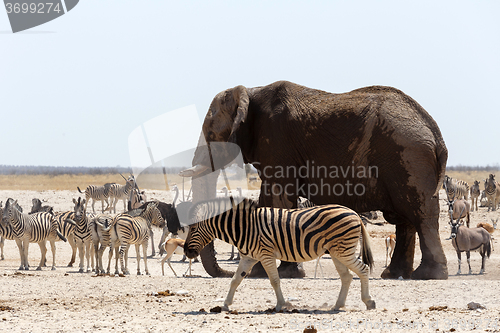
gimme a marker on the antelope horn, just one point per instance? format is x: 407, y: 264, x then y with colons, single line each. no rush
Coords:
x: 460, y: 216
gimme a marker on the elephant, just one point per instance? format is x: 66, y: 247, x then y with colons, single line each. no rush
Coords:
x: 373, y: 148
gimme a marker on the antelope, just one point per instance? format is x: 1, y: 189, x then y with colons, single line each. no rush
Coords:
x: 461, y: 205
x: 465, y: 239
x: 171, y: 246
x: 390, y: 244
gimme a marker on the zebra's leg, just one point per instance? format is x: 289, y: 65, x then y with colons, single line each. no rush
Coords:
x: 362, y: 271
x: 244, y: 267
x: 346, y: 279
x: 71, y: 241
x: 316, y: 267
x: 145, y: 254
x: 126, y: 259
x: 138, y: 256
x: 110, y: 257
x: 20, y: 246
x: 124, y: 253
x: 53, y: 249
x: 2, y: 242
x: 89, y: 255
x: 468, y: 261
x: 43, y: 250
x: 81, y: 254
x: 152, y: 242
x: 269, y: 264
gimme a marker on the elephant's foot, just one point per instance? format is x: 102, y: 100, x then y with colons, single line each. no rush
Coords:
x: 434, y: 271
x: 285, y: 270
x: 394, y: 272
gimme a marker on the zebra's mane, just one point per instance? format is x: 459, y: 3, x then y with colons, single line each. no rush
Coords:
x: 218, y: 206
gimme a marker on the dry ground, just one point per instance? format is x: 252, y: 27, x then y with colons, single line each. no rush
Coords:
x: 65, y: 300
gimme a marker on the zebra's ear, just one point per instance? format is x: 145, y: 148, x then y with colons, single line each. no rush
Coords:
x: 74, y: 201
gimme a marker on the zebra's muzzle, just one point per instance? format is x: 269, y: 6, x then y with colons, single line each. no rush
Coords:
x: 191, y: 253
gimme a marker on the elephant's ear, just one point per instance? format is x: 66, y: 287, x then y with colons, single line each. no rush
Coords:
x: 240, y: 131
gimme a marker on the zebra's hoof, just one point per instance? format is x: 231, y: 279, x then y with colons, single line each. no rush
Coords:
x: 138, y: 273
x: 38, y: 268
x: 3, y: 258
x: 53, y: 268
x: 80, y: 270
x: 370, y: 305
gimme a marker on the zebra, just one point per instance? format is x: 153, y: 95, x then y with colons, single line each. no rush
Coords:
x: 133, y: 228
x: 67, y: 226
x: 296, y: 235
x: 37, y: 207
x: 121, y: 192
x: 100, y: 193
x: 83, y: 237
x: 492, y: 190
x: 32, y: 228
x: 6, y: 232
x: 455, y: 188
x: 474, y: 194
x: 101, y: 237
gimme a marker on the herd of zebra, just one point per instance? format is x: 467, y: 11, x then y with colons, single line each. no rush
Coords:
x: 458, y: 189
x: 89, y: 233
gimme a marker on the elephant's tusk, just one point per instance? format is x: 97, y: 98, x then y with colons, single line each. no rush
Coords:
x: 193, y: 171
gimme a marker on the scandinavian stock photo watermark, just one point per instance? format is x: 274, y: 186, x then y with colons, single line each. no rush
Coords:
x: 322, y: 180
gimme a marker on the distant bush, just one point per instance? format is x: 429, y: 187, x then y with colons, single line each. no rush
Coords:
x: 55, y: 171
x: 467, y: 168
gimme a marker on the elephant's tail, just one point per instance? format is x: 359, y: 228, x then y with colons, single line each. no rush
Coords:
x: 442, y: 158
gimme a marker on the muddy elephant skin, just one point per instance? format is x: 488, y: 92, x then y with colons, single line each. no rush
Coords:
x: 373, y: 148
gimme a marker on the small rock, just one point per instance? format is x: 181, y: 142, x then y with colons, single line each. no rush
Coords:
x: 310, y: 330
x: 475, y: 306
x: 400, y: 278
x: 203, y: 310
x: 216, y: 309
x: 182, y: 292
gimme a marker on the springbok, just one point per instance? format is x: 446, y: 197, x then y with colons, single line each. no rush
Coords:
x: 171, y: 246
x: 465, y: 239
x: 490, y: 228
x: 390, y: 244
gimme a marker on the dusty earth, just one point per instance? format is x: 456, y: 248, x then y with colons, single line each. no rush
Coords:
x: 65, y: 300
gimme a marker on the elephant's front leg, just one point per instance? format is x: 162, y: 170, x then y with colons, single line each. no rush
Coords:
x: 402, y: 259
x: 245, y: 265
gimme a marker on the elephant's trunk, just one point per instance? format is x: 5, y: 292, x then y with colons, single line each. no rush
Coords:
x: 205, y: 188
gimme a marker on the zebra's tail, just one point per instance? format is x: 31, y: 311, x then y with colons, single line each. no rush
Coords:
x: 366, y: 251
x: 80, y: 190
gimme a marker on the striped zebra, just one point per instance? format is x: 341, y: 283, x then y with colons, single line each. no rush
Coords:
x: 101, y: 239
x: 67, y: 226
x: 83, y: 236
x: 121, y: 192
x: 100, y: 193
x: 455, y: 188
x: 296, y: 235
x: 6, y: 232
x: 133, y: 228
x: 32, y: 228
x: 475, y: 192
x: 492, y: 190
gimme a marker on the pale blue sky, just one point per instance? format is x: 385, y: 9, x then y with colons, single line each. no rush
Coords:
x: 72, y: 90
